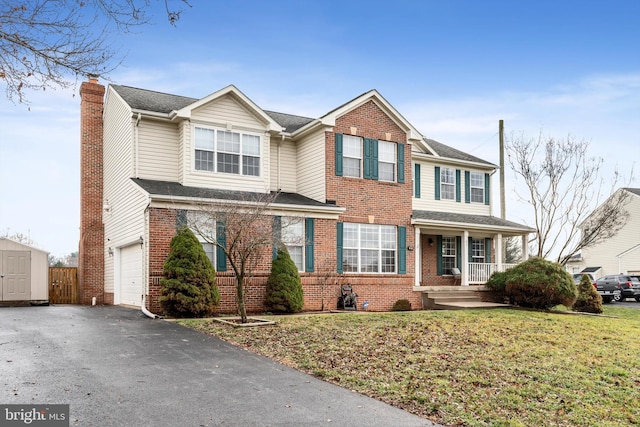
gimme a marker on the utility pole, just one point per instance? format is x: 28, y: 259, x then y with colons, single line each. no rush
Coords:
x: 503, y: 207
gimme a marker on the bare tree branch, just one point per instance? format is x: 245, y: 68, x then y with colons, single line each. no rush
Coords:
x: 564, y: 187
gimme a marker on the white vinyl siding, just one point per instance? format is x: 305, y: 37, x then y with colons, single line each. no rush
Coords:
x: 311, y: 179
x: 158, y: 146
x: 286, y: 181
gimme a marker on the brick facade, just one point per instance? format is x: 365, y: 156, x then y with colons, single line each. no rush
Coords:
x: 91, y: 246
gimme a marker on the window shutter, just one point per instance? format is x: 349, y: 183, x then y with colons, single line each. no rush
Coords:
x: 458, y: 185
x: 401, y: 163
x: 487, y: 184
x: 339, y: 264
x: 221, y: 238
x: 459, y: 252
x: 277, y: 235
x: 437, y: 168
x: 374, y: 159
x: 467, y: 187
x: 339, y: 170
x: 439, y: 255
x: 402, y: 250
x: 487, y: 250
x: 416, y: 180
x: 308, y: 247
x: 366, y: 167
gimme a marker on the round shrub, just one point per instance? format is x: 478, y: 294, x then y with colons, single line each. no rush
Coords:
x: 401, y: 305
x: 189, y: 280
x: 589, y: 300
x: 284, y: 288
x: 538, y: 283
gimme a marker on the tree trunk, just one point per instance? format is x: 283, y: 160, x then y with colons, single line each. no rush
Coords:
x: 240, y: 296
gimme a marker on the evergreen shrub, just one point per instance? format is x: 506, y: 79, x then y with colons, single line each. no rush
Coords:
x: 589, y: 300
x: 284, y: 288
x: 401, y: 305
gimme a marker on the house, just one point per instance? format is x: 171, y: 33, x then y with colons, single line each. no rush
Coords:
x: 374, y: 202
x: 619, y: 254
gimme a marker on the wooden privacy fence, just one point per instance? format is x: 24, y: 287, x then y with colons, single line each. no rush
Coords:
x: 63, y: 285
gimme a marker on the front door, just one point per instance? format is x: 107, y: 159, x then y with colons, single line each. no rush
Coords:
x: 15, y: 275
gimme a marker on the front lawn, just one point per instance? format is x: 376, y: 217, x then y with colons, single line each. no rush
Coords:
x: 501, y: 367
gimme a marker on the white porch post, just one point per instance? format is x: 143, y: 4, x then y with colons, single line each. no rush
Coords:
x: 417, y: 258
x: 525, y: 247
x: 464, y: 268
x: 499, y: 254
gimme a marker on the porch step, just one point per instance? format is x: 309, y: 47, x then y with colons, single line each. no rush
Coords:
x: 455, y: 299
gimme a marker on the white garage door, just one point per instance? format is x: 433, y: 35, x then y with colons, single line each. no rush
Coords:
x: 131, y: 275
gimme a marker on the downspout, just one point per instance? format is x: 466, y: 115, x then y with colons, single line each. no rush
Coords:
x: 136, y: 145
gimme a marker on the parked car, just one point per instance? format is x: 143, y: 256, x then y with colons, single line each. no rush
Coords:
x: 609, y: 288
x: 630, y: 286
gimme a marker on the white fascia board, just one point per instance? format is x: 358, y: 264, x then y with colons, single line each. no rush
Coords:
x: 461, y: 226
x: 185, y: 113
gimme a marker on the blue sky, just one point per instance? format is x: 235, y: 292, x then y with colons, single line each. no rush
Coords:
x: 452, y: 68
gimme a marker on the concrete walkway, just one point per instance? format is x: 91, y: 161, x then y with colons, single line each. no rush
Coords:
x: 116, y: 367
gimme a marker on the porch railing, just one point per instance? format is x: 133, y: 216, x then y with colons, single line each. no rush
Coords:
x: 479, y: 272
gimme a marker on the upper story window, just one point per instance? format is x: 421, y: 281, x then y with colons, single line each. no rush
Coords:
x: 226, y: 152
x: 447, y: 184
x: 386, y: 161
x: 369, y: 158
x: 352, y: 156
x: 477, y: 187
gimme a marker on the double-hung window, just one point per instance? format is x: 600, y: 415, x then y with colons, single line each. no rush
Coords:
x: 369, y: 248
x: 477, y: 250
x: 352, y: 156
x: 226, y: 151
x: 293, y: 237
x: 449, y: 254
x: 386, y: 161
x: 204, y: 229
x: 477, y: 187
x: 447, y: 184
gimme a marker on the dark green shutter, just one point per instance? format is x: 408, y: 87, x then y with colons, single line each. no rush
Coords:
x: 416, y: 180
x: 366, y: 163
x: 308, y: 247
x: 339, y: 263
x: 339, y: 170
x: 402, y: 250
x: 458, y: 198
x: 277, y: 236
x: 401, y: 163
x: 374, y: 159
x: 439, y: 255
x: 487, y: 181
x: 487, y: 250
x: 467, y: 187
x: 221, y: 238
x: 470, y: 249
x: 459, y: 252
x: 437, y: 179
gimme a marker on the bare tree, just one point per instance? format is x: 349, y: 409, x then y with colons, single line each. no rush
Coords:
x: 18, y: 237
x: 564, y: 187
x: 243, y: 230
x: 50, y: 43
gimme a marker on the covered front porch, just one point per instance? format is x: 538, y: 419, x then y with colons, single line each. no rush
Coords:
x: 462, y: 250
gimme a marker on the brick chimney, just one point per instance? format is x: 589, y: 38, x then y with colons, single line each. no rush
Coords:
x: 91, y: 247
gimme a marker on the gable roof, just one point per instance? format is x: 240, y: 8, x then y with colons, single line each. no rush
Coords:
x: 149, y: 100
x: 289, y: 122
x: 635, y: 191
x: 441, y: 150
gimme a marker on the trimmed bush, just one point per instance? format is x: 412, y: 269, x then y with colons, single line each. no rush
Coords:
x: 189, y: 280
x: 538, y: 283
x: 497, y: 284
x: 284, y: 288
x: 589, y: 300
x: 401, y: 305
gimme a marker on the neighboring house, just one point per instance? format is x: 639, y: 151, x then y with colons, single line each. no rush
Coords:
x: 621, y: 253
x: 372, y: 202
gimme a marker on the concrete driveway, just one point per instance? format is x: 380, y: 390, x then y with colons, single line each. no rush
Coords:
x: 116, y: 367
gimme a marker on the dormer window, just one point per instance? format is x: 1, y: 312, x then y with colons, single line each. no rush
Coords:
x: 226, y: 151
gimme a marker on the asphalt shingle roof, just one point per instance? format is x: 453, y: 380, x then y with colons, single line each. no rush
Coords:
x: 289, y: 122
x: 459, y: 218
x: 149, y: 100
x: 451, y: 153
x: 175, y: 189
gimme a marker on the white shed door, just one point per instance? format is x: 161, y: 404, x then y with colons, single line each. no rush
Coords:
x: 131, y: 275
x: 15, y: 275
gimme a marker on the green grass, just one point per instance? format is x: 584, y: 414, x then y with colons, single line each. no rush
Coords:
x: 476, y: 368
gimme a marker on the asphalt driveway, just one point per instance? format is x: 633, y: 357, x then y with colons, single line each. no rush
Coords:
x: 116, y: 367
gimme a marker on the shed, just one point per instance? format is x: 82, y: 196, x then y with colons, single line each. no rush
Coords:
x: 24, y: 273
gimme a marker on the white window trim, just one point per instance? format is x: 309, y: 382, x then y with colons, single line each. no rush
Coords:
x: 472, y: 187
x: 301, y: 242
x: 394, y: 163
x: 446, y: 270
x: 447, y: 184
x: 360, y: 140
x: 215, y: 151
x: 380, y: 249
